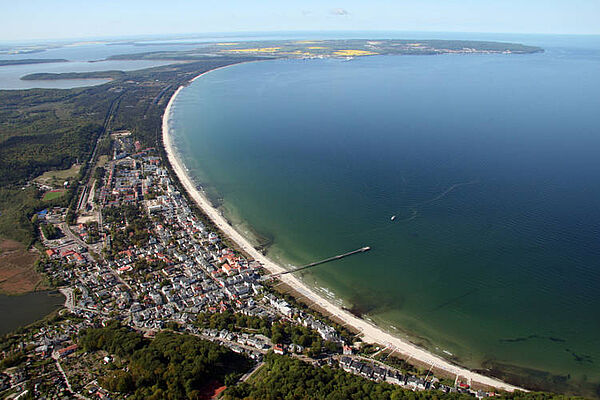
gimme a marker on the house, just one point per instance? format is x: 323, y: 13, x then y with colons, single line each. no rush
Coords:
x: 412, y: 381
x: 367, y: 371
x: 278, y: 349
x: 125, y: 268
x: 394, y: 378
x: 227, y: 269
x: 213, y: 238
x: 296, y: 348
x: 42, y: 214
x: 356, y: 367
x: 345, y: 363
x: 379, y: 373
x: 65, y: 351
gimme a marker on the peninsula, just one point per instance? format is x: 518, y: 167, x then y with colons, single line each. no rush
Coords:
x: 31, y: 61
x: 335, y: 48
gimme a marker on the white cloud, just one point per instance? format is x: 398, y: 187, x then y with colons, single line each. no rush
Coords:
x: 339, y: 11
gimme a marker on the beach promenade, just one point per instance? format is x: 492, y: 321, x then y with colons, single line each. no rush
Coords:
x: 369, y: 332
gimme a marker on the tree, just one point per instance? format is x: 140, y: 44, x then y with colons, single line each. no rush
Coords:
x: 170, y: 366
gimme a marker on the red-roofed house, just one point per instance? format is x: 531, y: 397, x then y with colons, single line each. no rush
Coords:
x: 67, y: 350
x: 278, y: 349
x: 227, y: 269
x: 124, y: 269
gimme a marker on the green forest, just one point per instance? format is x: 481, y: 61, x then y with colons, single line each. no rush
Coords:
x: 44, y: 129
x: 170, y: 366
x: 45, y: 76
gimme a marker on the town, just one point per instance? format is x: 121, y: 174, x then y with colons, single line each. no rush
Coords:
x: 138, y: 253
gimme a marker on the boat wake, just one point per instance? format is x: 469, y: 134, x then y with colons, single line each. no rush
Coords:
x: 414, y: 209
x: 446, y: 192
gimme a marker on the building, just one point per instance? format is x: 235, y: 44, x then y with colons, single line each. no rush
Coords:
x: 65, y: 351
x: 278, y: 349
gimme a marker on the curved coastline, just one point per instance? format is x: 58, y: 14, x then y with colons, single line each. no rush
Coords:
x: 370, y: 333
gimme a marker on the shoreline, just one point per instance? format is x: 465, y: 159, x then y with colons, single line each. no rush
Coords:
x: 368, y: 331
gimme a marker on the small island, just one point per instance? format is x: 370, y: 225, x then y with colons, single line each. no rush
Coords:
x: 48, y: 76
x: 26, y: 61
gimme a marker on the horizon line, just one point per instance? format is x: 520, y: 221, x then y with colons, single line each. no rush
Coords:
x: 200, y: 35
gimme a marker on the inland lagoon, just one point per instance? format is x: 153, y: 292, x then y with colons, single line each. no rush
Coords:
x: 22, y: 310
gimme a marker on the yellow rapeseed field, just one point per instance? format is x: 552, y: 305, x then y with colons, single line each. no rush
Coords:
x: 351, y: 53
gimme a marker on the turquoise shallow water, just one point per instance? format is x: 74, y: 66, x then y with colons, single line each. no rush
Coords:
x: 489, y: 163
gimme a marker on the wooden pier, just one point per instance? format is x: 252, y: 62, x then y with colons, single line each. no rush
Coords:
x: 314, y: 264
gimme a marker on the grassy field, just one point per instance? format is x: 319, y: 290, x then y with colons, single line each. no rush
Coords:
x: 17, y: 271
x: 102, y: 160
x: 53, y: 194
x: 56, y: 178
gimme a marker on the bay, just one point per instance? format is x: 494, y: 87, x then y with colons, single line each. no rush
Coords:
x: 489, y: 163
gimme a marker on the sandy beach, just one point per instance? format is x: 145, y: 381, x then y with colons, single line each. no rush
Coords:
x: 370, y: 332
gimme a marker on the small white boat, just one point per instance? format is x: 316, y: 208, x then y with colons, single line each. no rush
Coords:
x: 393, y: 217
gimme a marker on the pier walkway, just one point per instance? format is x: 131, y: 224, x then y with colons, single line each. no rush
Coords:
x: 314, y: 264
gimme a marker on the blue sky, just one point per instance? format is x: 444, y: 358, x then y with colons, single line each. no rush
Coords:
x: 55, y: 19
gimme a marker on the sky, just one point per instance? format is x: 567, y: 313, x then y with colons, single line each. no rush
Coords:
x: 68, y: 19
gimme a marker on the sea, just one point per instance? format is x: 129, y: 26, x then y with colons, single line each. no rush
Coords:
x: 489, y: 164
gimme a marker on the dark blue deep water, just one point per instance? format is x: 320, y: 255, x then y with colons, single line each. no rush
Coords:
x: 491, y: 164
